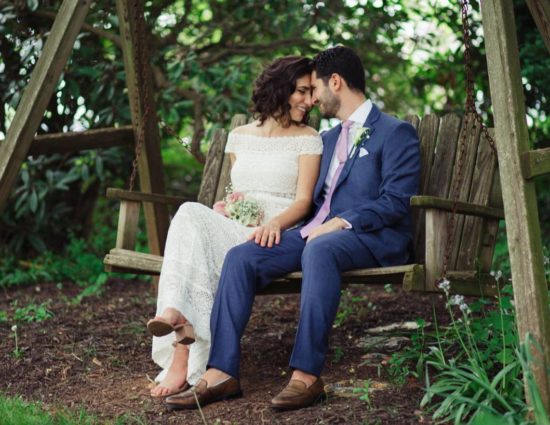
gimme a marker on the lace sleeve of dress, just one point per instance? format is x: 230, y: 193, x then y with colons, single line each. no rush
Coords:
x: 312, y: 145
x: 230, y: 146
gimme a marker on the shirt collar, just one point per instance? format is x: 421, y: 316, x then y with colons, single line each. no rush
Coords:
x: 359, y: 116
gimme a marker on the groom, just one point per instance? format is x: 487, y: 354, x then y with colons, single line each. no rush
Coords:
x: 369, y: 170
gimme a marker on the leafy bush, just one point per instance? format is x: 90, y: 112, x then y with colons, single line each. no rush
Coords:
x: 80, y: 262
x: 49, y: 190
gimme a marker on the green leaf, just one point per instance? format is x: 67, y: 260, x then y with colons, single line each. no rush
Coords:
x: 32, y: 4
x: 33, y: 201
x: 99, y: 167
x: 37, y: 243
x: 25, y: 176
x: 505, y: 356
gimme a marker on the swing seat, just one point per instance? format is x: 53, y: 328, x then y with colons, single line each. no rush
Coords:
x: 479, y: 209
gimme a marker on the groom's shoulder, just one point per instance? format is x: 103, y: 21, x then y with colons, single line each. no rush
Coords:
x: 392, y: 121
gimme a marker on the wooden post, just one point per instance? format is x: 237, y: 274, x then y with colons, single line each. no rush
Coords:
x: 520, y: 206
x: 212, y: 168
x: 540, y: 10
x: 43, y: 81
x: 150, y: 161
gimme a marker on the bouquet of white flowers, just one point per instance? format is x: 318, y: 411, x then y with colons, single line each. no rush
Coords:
x: 234, y: 206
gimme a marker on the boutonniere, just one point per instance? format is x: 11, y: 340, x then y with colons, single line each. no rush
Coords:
x: 361, y: 138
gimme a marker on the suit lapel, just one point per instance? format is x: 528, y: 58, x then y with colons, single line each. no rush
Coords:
x: 369, y: 122
x: 328, y: 152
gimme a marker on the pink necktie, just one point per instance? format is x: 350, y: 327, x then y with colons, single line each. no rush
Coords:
x: 342, y: 154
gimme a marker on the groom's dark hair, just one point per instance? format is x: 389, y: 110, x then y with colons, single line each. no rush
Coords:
x: 344, y: 62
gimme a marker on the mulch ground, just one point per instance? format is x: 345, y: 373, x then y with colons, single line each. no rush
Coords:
x: 96, y: 355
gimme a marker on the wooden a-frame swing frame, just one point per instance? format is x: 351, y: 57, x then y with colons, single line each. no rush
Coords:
x: 518, y: 165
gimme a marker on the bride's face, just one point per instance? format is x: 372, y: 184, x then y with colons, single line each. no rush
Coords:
x: 300, y: 100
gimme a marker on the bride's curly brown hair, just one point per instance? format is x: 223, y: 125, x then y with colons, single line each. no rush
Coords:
x: 273, y: 88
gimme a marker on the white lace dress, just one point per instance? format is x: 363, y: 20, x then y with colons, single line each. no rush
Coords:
x: 266, y: 169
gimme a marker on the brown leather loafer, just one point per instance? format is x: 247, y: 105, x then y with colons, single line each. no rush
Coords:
x: 230, y: 388
x: 297, y: 395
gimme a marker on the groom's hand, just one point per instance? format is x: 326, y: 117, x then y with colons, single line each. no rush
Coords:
x: 267, y: 235
x: 332, y: 225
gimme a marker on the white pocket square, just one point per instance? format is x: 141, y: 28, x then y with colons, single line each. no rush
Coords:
x: 363, y: 152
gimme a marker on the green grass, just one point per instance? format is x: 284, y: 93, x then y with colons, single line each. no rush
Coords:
x: 14, y: 411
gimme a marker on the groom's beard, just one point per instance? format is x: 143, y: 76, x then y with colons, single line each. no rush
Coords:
x: 329, y: 105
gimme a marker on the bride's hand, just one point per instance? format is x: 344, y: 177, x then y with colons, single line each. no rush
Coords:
x: 267, y: 235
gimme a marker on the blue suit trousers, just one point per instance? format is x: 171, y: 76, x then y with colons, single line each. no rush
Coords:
x: 248, y: 267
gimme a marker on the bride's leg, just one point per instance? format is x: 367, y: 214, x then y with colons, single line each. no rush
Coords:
x: 177, y: 374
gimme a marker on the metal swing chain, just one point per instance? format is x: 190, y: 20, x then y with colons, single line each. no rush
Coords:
x: 470, y: 113
x: 142, y: 77
x: 470, y: 99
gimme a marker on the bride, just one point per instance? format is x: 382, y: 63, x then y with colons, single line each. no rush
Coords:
x: 275, y: 162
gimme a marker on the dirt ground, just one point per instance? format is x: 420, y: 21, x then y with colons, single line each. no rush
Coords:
x: 96, y: 356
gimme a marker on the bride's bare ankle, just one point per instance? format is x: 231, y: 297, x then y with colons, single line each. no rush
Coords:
x: 174, y: 316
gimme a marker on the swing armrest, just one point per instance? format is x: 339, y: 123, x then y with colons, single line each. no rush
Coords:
x: 126, y: 195
x: 466, y: 208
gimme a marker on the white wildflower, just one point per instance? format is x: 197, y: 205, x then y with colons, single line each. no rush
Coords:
x: 319, y: 5
x: 444, y: 284
x: 464, y: 308
x: 307, y: 7
x: 457, y: 300
x: 14, y: 328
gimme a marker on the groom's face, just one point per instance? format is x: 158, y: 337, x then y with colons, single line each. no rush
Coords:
x: 322, y: 95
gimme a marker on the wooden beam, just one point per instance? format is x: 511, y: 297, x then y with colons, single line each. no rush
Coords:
x: 536, y: 163
x: 540, y: 10
x: 466, y: 208
x: 127, y: 261
x: 37, y: 94
x: 520, y: 204
x: 156, y: 198
x: 75, y: 141
x: 141, y: 94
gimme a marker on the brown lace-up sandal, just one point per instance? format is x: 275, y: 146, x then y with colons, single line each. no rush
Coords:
x: 162, y: 327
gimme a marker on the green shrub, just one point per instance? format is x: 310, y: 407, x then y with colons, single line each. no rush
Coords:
x: 475, y: 368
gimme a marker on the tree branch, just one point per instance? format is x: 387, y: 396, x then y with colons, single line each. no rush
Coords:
x: 85, y: 27
x: 251, y: 48
x: 198, y: 127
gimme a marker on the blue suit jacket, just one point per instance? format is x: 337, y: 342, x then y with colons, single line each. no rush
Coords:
x: 373, y: 191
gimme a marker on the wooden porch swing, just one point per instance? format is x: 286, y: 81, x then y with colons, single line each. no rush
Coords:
x: 475, y: 235
x: 458, y: 177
